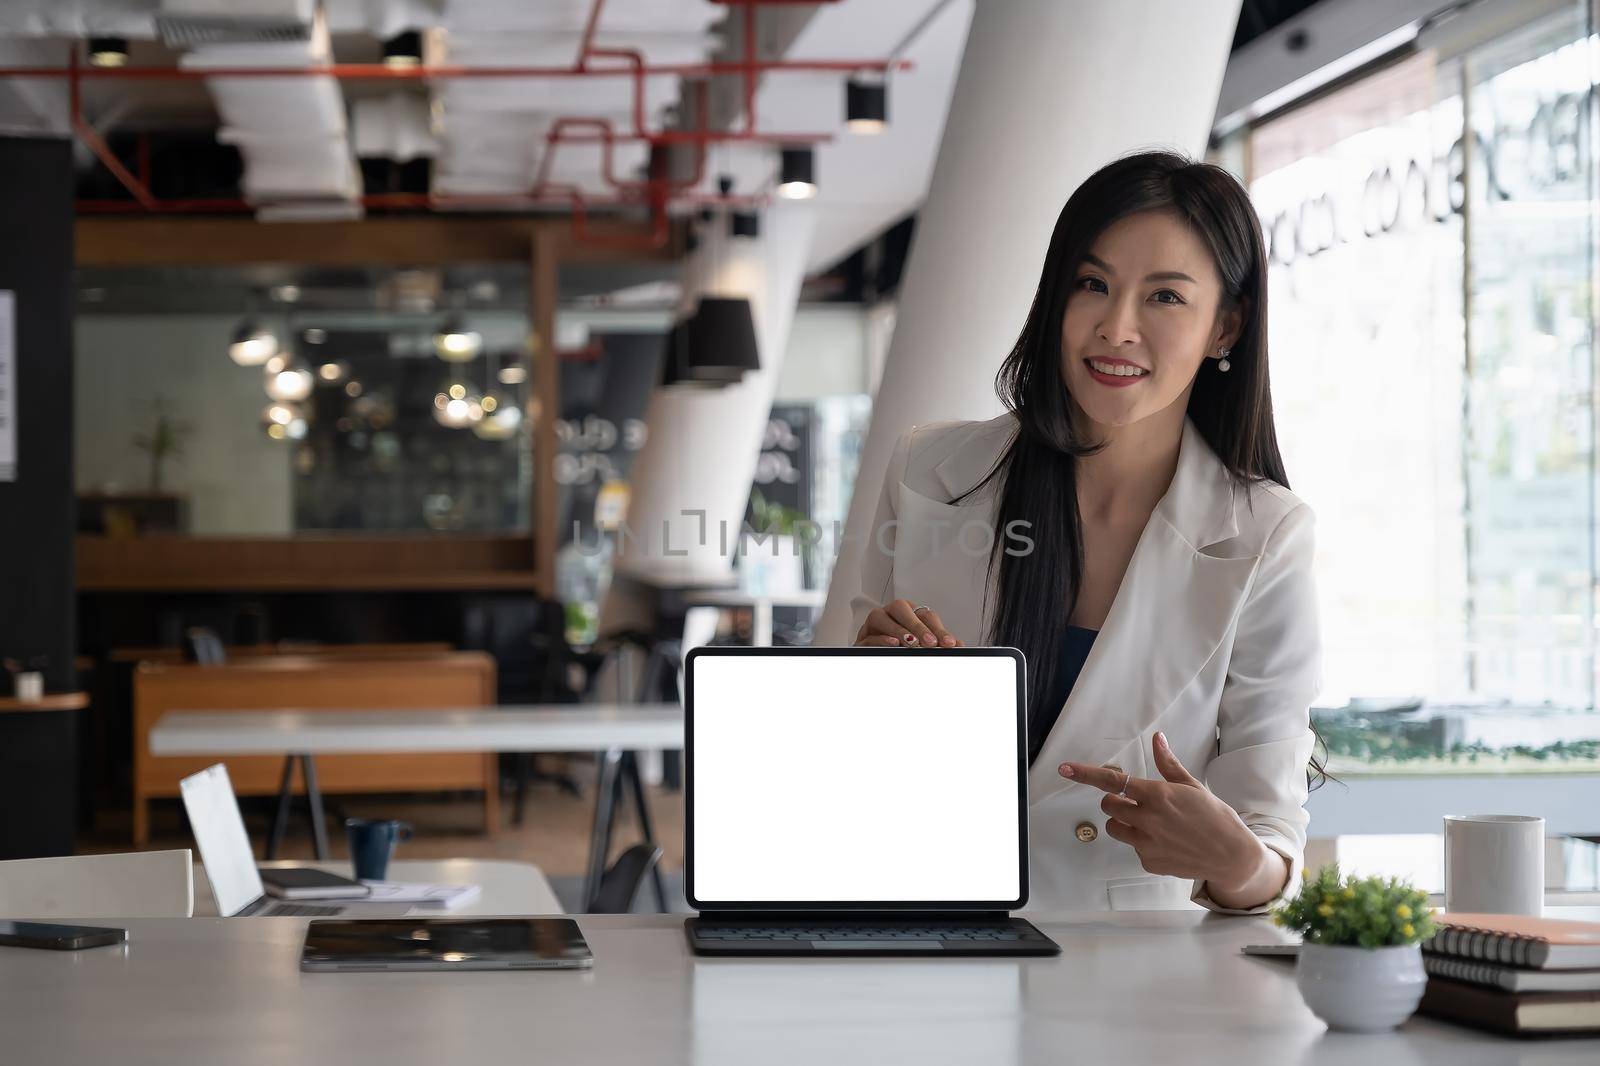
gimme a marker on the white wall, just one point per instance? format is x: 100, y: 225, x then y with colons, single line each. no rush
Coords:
x: 236, y: 478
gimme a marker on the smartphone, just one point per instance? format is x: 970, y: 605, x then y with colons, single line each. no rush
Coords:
x: 1272, y: 951
x: 58, y: 937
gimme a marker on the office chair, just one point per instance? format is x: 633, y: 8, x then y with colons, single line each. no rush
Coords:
x: 620, y: 884
x: 202, y: 645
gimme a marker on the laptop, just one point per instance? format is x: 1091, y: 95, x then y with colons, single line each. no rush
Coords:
x: 224, y: 847
x: 857, y: 801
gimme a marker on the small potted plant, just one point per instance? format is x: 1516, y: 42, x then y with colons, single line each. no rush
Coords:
x: 1360, y: 965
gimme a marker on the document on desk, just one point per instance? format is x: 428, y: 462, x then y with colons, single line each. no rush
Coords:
x: 422, y: 894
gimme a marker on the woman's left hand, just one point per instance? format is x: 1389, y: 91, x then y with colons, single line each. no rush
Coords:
x: 1180, y: 829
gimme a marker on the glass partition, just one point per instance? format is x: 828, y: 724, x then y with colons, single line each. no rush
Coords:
x: 1431, y: 232
x: 268, y: 402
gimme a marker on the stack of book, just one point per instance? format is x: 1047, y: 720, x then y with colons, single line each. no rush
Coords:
x: 1513, y: 974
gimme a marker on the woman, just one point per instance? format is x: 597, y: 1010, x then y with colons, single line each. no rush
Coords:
x: 1129, y: 517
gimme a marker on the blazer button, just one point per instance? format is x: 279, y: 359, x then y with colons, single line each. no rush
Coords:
x: 1087, y: 832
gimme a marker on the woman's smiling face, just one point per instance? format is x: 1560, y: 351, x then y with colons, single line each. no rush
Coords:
x: 1143, y: 305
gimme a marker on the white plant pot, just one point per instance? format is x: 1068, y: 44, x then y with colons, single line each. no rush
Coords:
x: 1363, y: 990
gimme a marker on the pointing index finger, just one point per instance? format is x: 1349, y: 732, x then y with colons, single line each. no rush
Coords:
x: 1106, y: 780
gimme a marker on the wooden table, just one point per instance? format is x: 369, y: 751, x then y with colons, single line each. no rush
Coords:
x: 1159, y: 988
x: 508, y: 887
x: 55, y: 701
x: 615, y: 730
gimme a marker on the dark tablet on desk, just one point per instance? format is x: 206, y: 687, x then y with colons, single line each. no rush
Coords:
x: 445, y: 944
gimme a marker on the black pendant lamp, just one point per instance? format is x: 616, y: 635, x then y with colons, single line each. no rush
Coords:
x: 866, y: 106
x: 108, y: 51
x: 797, y: 176
x: 403, y: 51
x: 675, y: 357
x: 722, y: 340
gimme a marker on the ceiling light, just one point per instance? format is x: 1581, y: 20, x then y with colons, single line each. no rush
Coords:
x: 675, y: 357
x: 291, y: 384
x: 314, y: 335
x: 284, y: 421
x: 455, y: 343
x: 500, y: 419
x: 403, y: 51
x: 252, y: 344
x: 866, y: 106
x: 352, y: 389
x: 108, y: 51
x: 455, y: 414
x: 286, y: 294
x: 744, y: 224
x: 722, y: 340
x: 333, y: 372
x: 797, y: 173
x: 457, y: 406
x: 513, y: 375
x: 713, y: 347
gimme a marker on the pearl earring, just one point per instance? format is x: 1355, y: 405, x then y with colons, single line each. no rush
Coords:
x: 1223, y: 365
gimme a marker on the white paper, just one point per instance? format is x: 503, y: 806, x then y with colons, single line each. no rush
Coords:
x: 422, y: 894
x: 8, y: 386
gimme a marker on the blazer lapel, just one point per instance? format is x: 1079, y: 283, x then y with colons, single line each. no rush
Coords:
x: 940, y: 556
x: 1170, y: 614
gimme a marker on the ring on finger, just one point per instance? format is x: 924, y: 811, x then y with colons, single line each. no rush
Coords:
x: 1126, y: 779
x: 920, y: 608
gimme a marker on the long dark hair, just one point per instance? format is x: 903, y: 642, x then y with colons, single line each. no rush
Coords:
x: 1233, y: 414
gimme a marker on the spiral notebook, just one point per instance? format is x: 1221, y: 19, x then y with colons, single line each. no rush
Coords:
x: 1514, y: 940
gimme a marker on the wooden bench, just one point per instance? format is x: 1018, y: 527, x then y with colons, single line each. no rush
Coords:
x: 455, y: 679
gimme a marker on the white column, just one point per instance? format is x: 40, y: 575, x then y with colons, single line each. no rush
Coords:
x: 1048, y: 93
x: 703, y: 445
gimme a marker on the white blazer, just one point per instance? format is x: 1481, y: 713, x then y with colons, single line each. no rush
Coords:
x: 1213, y: 638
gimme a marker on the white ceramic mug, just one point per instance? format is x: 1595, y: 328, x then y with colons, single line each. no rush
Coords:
x: 30, y: 686
x: 1494, y: 864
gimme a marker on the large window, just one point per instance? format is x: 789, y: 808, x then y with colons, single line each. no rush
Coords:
x: 1431, y: 231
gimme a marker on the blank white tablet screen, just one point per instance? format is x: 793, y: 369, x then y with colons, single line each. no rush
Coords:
x: 855, y: 778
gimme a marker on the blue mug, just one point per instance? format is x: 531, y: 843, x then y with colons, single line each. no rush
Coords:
x: 372, y: 842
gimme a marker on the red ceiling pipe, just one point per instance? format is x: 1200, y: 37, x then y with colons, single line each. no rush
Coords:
x: 654, y: 190
x: 749, y: 68
x: 650, y: 187
x: 86, y: 133
x: 379, y: 72
x: 587, y: 41
x: 646, y: 187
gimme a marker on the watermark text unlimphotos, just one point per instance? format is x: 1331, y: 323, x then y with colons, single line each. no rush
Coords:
x: 972, y: 537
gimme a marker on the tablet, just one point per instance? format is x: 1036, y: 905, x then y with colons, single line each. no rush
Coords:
x: 444, y: 944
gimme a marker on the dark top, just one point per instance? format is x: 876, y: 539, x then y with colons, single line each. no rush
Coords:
x: 1070, y: 656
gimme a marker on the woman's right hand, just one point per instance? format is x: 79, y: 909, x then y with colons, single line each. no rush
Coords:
x: 900, y: 625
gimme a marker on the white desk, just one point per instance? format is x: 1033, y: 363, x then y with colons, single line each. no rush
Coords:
x: 538, y: 727
x: 760, y: 605
x: 508, y: 887
x: 1130, y: 989
x: 615, y: 730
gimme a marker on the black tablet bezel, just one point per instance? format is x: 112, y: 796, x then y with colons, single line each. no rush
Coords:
x: 857, y: 905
